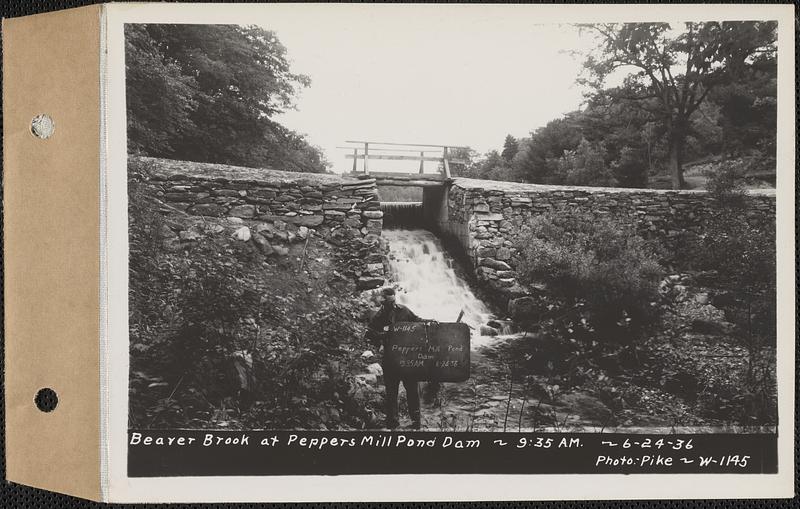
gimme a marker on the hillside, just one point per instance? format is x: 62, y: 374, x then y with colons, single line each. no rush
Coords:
x: 227, y: 333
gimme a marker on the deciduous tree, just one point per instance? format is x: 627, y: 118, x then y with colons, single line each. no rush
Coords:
x: 673, y: 70
x: 211, y: 93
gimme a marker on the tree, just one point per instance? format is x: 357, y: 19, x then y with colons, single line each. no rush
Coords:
x: 585, y: 166
x: 160, y: 98
x: 673, y: 71
x: 537, y: 159
x: 628, y: 135
x: 748, y: 110
x: 210, y: 93
x: 510, y: 148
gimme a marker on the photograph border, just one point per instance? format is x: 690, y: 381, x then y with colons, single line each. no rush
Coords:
x: 444, y: 487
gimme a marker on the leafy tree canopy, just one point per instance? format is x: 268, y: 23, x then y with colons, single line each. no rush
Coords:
x: 210, y: 93
x: 695, y: 92
x: 672, y: 71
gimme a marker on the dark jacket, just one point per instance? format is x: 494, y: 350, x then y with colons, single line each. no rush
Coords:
x: 388, y: 316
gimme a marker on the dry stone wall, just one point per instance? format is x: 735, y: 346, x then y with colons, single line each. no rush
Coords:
x: 277, y: 207
x: 487, y: 218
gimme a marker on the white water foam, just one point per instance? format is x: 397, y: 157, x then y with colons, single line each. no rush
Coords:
x: 427, y: 283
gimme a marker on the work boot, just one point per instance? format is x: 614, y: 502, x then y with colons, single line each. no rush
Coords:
x: 416, y: 419
x: 430, y: 393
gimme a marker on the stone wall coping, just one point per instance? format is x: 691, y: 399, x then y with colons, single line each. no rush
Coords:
x: 168, y: 169
x: 518, y: 187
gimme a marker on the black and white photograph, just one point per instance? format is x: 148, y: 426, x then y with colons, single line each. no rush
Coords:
x: 459, y: 225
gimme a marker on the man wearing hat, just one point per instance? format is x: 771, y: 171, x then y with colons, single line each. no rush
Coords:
x: 389, y: 314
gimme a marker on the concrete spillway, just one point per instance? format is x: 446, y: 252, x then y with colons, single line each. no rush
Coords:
x: 401, y: 214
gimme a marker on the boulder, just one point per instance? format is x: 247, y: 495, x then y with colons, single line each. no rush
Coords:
x: 494, y: 264
x: 504, y: 254
x: 242, y: 234
x: 307, y: 220
x: 302, y: 232
x: 281, y: 250
x: 522, y: 307
x: 586, y: 406
x: 375, y: 226
x: 679, y: 293
x: 368, y: 354
x: 516, y: 291
x: 206, y: 209
x: 375, y: 369
x: 352, y: 222
x: 179, y: 197
x: 374, y: 269
x: 702, y: 298
x: 715, y: 327
x: 265, y: 228
x: 263, y: 244
x: 488, y: 216
x: 172, y: 244
x: 485, y: 330
x: 486, y: 273
x: 369, y: 282
x: 243, y: 211
x: 166, y: 232
x: 367, y: 378
x: 189, y: 236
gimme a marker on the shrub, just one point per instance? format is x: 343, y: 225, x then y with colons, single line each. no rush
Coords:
x: 726, y: 185
x: 595, y: 263
x: 740, y: 252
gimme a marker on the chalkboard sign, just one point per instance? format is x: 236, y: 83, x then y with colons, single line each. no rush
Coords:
x: 436, y: 352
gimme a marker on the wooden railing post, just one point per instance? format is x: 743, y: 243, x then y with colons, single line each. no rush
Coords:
x: 355, y: 160
x: 366, y: 158
x: 446, y: 163
x: 422, y: 162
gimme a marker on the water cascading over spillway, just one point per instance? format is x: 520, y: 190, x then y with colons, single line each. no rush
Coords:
x: 428, y: 284
x: 399, y: 214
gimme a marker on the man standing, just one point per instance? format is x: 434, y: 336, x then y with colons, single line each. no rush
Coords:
x: 378, y: 332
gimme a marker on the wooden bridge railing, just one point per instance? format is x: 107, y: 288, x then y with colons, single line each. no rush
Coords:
x: 365, y: 151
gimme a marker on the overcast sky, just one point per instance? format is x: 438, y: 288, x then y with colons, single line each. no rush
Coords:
x: 458, y: 77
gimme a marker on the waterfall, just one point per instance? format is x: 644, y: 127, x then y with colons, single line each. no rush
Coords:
x: 427, y: 283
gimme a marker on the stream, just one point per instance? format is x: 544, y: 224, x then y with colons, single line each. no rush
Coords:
x: 429, y: 284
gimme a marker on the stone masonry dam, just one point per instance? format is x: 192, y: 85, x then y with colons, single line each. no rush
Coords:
x: 481, y: 219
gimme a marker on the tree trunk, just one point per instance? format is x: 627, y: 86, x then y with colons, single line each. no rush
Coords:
x: 676, y: 161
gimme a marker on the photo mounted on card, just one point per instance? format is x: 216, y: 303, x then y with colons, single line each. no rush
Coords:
x: 349, y: 242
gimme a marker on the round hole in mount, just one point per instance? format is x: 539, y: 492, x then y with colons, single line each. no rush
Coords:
x: 46, y: 400
x: 42, y: 126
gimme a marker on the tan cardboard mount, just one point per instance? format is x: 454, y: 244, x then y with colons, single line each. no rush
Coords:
x: 59, y: 335
x: 51, y: 66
